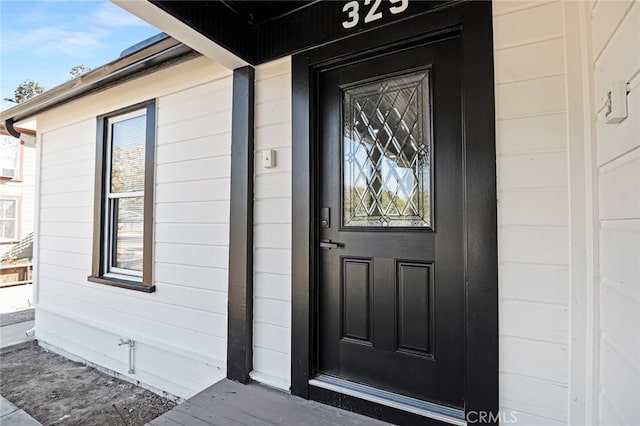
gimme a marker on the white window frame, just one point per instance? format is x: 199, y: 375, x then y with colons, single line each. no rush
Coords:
x: 110, y: 206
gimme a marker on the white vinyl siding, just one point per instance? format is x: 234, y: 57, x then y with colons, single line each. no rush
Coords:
x: 616, y: 55
x: 272, y: 227
x: 533, y: 210
x: 180, y: 330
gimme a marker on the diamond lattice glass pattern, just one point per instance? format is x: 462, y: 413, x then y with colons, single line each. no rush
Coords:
x: 386, y: 153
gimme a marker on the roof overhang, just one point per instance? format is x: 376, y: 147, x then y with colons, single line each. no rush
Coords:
x: 237, y: 32
x: 181, y: 31
x: 164, y: 52
x: 20, y: 130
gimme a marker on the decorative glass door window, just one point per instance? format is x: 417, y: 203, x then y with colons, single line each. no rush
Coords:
x: 386, y: 162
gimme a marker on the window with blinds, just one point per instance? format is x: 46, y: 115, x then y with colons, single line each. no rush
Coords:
x: 124, y: 193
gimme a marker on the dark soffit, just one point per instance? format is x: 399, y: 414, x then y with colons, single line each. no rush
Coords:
x: 260, y: 31
x: 258, y: 12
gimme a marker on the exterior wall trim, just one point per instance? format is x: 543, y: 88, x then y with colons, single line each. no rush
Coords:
x: 583, y: 194
x: 240, y: 311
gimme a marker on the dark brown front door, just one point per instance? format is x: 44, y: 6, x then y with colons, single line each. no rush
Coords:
x: 392, y: 269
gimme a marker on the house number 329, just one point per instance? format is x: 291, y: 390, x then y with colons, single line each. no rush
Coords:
x: 352, y: 10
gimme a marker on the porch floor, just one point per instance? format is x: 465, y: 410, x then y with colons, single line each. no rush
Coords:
x: 231, y: 403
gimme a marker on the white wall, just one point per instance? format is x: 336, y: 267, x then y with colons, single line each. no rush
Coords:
x: 616, y: 56
x: 180, y: 330
x: 533, y: 210
x: 272, y: 229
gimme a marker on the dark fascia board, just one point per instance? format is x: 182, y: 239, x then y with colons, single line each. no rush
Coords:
x: 165, y: 52
x: 312, y: 25
x: 320, y: 23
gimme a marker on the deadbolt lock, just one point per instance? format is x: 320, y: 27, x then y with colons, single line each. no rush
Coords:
x: 325, y: 217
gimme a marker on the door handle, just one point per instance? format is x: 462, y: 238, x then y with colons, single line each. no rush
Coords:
x: 328, y: 244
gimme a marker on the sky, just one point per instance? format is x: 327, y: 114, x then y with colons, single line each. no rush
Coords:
x: 43, y: 40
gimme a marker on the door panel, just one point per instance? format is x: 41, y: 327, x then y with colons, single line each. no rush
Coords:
x: 391, y: 292
x: 356, y: 296
x: 413, y: 305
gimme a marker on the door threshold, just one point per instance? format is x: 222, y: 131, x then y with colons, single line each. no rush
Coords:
x: 393, y: 400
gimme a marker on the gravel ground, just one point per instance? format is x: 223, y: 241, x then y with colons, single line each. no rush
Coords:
x: 56, y: 391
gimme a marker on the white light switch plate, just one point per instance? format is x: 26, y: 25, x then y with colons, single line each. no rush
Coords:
x: 616, y: 106
x: 269, y: 158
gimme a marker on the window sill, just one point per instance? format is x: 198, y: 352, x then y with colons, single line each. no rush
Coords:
x: 115, y: 282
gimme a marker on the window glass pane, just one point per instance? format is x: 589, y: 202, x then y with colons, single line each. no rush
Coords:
x: 9, y: 148
x: 127, y: 155
x: 8, y: 229
x: 387, y: 153
x: 8, y: 209
x: 128, y: 227
x: 8, y: 219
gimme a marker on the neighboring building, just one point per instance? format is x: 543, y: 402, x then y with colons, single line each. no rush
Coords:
x: 17, y: 186
x: 421, y: 211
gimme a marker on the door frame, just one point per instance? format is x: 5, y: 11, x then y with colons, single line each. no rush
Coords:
x: 473, y: 22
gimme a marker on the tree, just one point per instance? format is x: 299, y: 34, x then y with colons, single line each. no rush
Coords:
x: 78, y: 70
x: 25, y: 91
x: 29, y: 88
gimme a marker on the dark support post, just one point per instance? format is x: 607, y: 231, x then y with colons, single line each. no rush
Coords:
x: 302, y: 214
x: 482, y: 353
x: 240, y: 335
